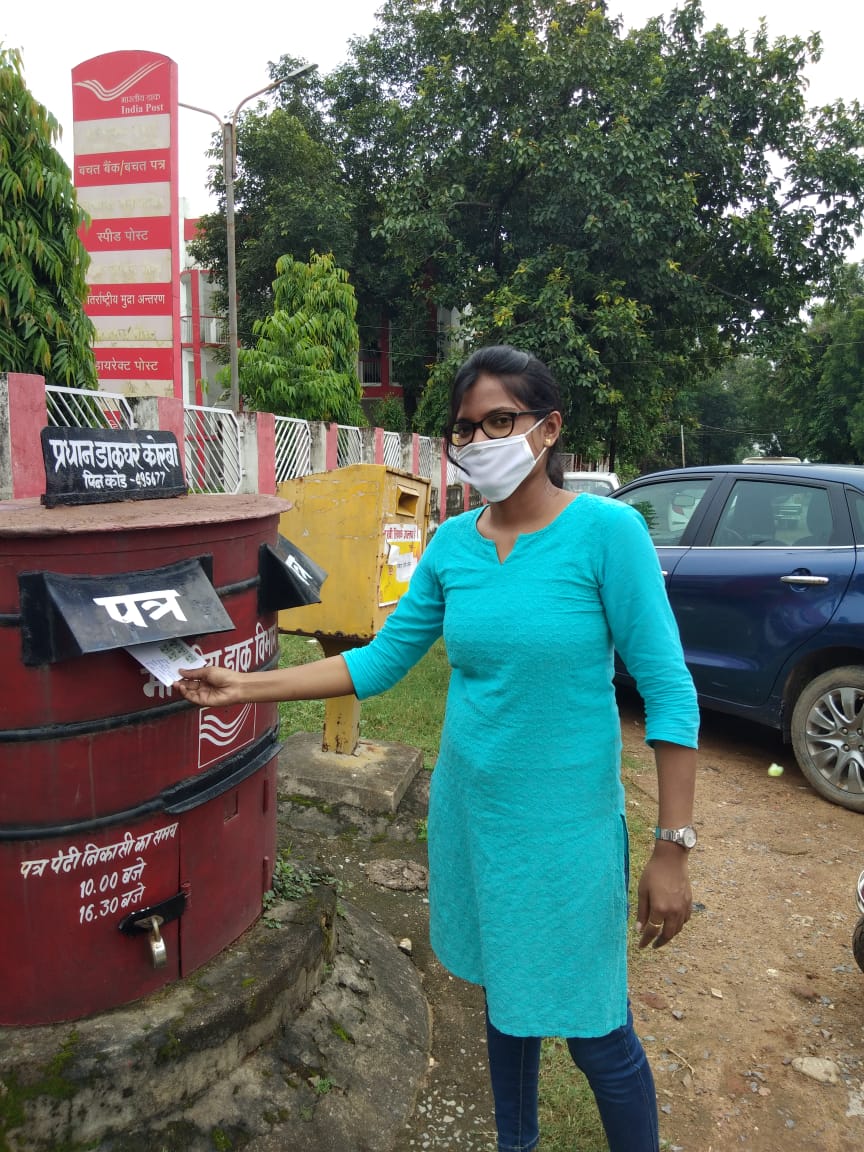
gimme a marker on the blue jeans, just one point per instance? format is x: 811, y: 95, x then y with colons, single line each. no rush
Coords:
x: 615, y: 1067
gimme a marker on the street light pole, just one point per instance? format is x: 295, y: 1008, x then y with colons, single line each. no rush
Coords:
x: 233, y: 349
x: 229, y: 155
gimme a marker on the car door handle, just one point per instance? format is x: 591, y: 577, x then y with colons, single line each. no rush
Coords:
x: 795, y: 579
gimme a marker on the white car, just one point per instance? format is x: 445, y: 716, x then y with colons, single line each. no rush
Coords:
x: 598, y: 483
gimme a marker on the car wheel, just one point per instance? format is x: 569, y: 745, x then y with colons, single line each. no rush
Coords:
x: 858, y: 943
x: 828, y: 735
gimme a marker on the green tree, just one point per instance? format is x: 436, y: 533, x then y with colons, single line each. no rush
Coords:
x: 289, y: 197
x: 43, y: 326
x: 305, y: 361
x: 387, y: 412
x: 635, y: 209
x: 730, y: 414
x: 820, y: 392
x: 367, y: 122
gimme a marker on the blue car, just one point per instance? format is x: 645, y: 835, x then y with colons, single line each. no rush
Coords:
x: 765, y: 579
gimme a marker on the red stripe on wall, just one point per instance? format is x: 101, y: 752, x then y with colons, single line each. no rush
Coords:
x: 131, y: 299
x: 143, y: 167
x: 145, y: 233
x: 143, y: 363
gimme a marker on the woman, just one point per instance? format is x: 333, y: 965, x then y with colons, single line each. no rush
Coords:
x: 527, y: 838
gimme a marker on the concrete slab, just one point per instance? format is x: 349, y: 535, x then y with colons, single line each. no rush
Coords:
x: 311, y: 1031
x: 374, y: 778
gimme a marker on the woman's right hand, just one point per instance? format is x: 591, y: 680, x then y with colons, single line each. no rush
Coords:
x: 211, y: 686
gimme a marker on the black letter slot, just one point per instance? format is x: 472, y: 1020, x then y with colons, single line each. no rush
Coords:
x: 66, y: 616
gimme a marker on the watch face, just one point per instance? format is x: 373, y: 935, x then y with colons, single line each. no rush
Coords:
x: 688, y: 837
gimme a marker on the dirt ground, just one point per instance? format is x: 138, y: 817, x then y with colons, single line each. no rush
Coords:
x: 761, y: 978
x: 764, y: 974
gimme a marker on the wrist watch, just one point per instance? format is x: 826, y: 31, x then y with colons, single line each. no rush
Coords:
x: 686, y: 836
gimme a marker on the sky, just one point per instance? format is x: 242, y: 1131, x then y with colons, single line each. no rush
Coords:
x: 222, y: 52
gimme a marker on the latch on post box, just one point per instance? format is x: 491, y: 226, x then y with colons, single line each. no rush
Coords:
x: 149, y: 920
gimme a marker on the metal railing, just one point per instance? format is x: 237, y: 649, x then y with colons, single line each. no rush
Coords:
x: 211, y: 330
x: 86, y: 408
x: 392, y: 449
x: 213, y: 449
x: 425, y: 457
x: 214, y: 461
x: 293, y: 448
x: 454, y: 476
x: 349, y: 446
x: 369, y: 369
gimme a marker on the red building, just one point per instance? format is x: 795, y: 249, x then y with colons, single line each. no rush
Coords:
x: 202, y: 330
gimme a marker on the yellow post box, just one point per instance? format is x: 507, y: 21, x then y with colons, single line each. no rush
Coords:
x: 365, y: 525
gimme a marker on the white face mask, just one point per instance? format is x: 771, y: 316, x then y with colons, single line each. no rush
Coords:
x: 496, y: 468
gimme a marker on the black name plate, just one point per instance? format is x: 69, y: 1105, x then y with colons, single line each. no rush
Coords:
x: 98, y: 466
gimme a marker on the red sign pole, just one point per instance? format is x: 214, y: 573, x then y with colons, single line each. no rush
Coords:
x: 126, y: 157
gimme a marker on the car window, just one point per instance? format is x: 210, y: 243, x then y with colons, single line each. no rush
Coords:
x: 856, y: 507
x: 767, y: 514
x: 597, y: 487
x: 667, y: 507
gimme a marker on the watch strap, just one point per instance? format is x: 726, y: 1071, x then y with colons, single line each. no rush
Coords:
x: 685, y: 836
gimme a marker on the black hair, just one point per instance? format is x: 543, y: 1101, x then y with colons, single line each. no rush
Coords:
x: 527, y: 380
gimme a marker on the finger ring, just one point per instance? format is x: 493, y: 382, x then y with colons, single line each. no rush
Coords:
x: 651, y: 924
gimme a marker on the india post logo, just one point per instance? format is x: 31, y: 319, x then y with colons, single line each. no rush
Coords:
x: 223, y: 731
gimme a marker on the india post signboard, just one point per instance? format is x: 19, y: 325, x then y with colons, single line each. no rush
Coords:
x: 124, y: 108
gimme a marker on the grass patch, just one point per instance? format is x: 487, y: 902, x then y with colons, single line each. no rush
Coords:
x: 411, y: 713
x: 568, y: 1114
x: 299, y: 715
x: 293, y: 881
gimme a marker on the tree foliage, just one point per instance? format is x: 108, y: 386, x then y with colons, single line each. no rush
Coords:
x: 632, y: 208
x: 729, y: 415
x: 635, y: 208
x: 808, y: 401
x: 305, y: 361
x: 289, y: 199
x: 818, y: 398
x: 43, y: 326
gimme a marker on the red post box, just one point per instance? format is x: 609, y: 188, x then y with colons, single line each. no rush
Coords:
x: 137, y: 833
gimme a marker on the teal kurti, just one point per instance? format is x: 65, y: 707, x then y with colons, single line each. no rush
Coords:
x: 527, y: 839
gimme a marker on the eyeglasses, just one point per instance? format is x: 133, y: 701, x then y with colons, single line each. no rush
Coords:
x: 496, y: 425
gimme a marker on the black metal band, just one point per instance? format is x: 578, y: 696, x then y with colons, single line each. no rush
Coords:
x: 173, y: 801
x: 103, y: 723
